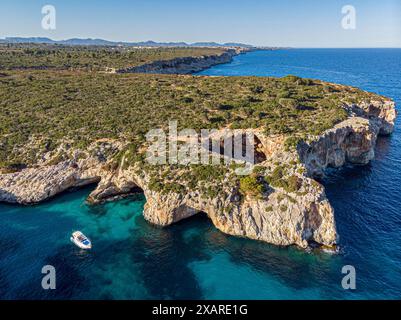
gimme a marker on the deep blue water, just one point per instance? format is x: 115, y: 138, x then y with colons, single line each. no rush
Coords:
x: 134, y: 260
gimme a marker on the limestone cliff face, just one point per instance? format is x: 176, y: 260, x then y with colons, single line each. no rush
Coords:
x: 278, y: 216
x: 255, y: 219
x: 351, y: 141
x: 34, y: 185
x: 185, y: 65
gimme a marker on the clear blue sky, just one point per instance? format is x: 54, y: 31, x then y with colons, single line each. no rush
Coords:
x: 296, y: 23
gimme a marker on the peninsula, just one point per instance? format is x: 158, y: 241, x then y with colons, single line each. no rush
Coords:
x: 73, y: 116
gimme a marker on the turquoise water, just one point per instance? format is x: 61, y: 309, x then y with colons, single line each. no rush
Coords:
x: 132, y: 259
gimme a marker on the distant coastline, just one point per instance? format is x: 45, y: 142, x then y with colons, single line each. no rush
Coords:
x: 102, y: 42
x: 186, y: 65
x: 212, y: 53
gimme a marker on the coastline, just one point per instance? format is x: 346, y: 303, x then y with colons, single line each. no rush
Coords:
x: 185, y: 65
x: 281, y: 217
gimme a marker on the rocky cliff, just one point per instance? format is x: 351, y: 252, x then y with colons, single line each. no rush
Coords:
x: 292, y: 207
x: 185, y: 65
x: 351, y: 141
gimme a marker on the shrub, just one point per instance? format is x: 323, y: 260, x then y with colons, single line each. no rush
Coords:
x: 269, y: 209
x: 288, y: 103
x: 294, y: 183
x: 155, y: 185
x: 251, y: 185
x: 277, y: 174
x: 277, y: 180
x: 187, y: 100
x: 291, y: 143
x: 257, y: 89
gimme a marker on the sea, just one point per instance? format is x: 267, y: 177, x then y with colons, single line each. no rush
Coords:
x: 132, y: 259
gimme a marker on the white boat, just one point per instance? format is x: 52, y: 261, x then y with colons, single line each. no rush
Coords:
x: 81, y: 240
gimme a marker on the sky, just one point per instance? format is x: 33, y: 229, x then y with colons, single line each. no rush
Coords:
x: 289, y: 23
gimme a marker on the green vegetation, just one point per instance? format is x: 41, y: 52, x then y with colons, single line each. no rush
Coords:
x: 129, y: 155
x: 182, y: 178
x: 276, y: 175
x: 269, y: 209
x: 83, y: 107
x: 252, y: 185
x: 291, y: 142
x: 88, y: 58
x: 279, y: 179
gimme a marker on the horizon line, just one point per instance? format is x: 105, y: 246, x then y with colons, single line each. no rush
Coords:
x: 4, y: 38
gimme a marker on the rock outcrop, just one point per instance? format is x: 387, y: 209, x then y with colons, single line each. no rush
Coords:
x: 351, y: 141
x: 278, y: 216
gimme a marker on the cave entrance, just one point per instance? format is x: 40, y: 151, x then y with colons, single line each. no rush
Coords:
x: 198, y: 217
x: 107, y: 191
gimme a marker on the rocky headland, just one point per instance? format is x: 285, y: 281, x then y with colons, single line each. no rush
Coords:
x: 66, y: 129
